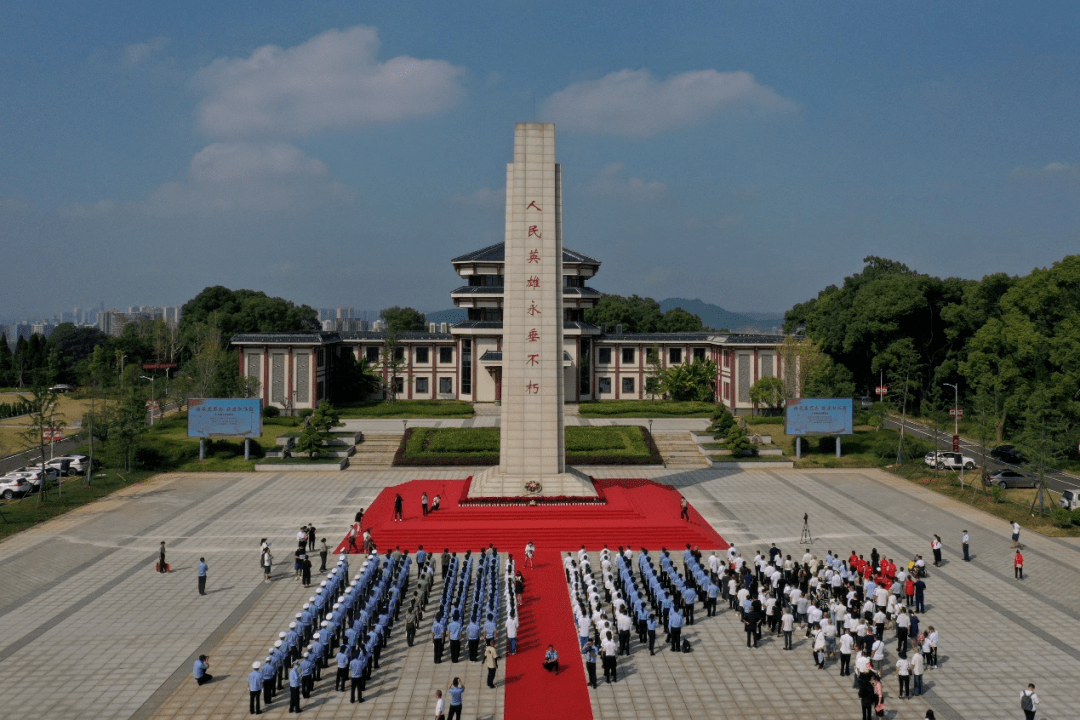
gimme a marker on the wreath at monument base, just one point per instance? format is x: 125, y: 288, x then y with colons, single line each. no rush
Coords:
x: 533, y: 487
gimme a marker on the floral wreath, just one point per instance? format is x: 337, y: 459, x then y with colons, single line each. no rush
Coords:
x: 533, y: 486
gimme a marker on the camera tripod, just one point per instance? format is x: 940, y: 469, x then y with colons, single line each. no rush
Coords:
x: 806, y: 538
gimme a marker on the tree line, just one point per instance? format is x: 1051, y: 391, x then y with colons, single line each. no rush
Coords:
x: 1010, y: 345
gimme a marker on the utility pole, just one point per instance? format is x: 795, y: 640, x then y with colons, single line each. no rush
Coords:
x: 956, y: 428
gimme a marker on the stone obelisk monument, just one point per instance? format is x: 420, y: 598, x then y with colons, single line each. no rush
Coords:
x: 532, y: 444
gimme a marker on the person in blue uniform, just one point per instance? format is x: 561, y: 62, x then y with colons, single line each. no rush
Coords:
x: 254, y: 690
x: 294, y: 689
x: 356, y: 676
x: 201, y: 666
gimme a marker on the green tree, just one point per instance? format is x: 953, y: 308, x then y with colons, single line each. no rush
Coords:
x: 738, y: 442
x: 317, y: 429
x: 6, y: 361
x: 403, y: 319
x: 900, y: 360
x: 392, y: 361
x: 654, y: 373
x: 127, y: 424
x: 42, y: 417
x: 692, y: 381
x: 768, y: 391
x: 243, y: 311
x: 641, y: 315
x: 722, y: 420
x: 679, y: 320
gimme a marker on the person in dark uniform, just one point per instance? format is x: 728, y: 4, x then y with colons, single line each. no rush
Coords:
x: 161, y: 558
x: 399, y: 506
x: 201, y: 570
x: 591, y: 654
x: 684, y: 509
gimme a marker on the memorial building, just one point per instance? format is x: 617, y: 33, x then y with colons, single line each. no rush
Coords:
x: 464, y: 360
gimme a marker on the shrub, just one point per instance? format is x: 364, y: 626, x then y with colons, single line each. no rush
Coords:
x: 1075, y: 516
x: 305, y: 413
x: 1061, y: 517
x: 997, y: 494
x: 738, y: 442
x: 722, y: 420
x: 271, y: 411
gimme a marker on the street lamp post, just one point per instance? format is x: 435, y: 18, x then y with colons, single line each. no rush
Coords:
x: 152, y: 396
x: 956, y: 426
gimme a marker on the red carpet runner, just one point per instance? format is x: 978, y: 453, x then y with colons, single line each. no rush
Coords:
x: 637, y: 513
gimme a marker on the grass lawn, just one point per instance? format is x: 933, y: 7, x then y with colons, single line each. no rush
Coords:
x: 406, y: 409
x: 645, y: 409
x: 20, y: 514
x: 483, y: 443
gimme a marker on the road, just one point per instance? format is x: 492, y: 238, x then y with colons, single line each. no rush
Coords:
x: 1055, y: 479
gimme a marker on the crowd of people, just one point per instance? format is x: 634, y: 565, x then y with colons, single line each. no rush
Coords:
x: 346, y: 623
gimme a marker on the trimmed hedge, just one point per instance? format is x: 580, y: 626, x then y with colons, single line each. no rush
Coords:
x: 645, y: 408
x: 615, y: 445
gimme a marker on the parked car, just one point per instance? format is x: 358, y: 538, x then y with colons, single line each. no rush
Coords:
x: 1070, y: 499
x: 949, y: 461
x: 14, y: 486
x: 76, y: 463
x: 1008, y: 454
x: 51, y: 470
x: 61, y: 388
x: 1005, y: 479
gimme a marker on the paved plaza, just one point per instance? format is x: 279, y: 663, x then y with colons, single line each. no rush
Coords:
x: 89, y: 630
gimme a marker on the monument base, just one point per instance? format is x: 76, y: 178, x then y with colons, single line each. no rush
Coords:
x: 492, y: 482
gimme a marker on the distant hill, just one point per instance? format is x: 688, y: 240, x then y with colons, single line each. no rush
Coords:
x: 717, y: 317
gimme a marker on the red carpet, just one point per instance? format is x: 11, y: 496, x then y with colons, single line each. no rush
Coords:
x: 638, y: 513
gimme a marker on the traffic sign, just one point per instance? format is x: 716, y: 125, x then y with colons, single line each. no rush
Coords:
x: 53, y: 434
x: 881, y: 390
x: 956, y: 443
x: 956, y: 412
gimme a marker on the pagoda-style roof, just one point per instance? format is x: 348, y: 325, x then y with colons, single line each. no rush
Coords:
x: 497, y: 253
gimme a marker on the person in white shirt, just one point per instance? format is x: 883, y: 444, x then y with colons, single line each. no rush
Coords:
x: 1031, y: 699
x: 903, y: 625
x: 787, y: 626
x: 1016, y: 534
x: 819, y: 649
x: 932, y: 638
x: 903, y: 674
x: 530, y: 550
x: 511, y: 633
x: 917, y: 670
x: 862, y: 667
x: 877, y: 655
x: 846, y: 644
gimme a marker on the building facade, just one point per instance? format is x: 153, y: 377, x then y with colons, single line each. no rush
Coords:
x: 463, y: 361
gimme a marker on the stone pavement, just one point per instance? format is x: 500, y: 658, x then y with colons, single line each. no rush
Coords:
x: 90, y: 630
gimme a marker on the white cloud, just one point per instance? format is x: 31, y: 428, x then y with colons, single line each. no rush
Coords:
x: 484, y: 197
x: 634, y: 104
x: 139, y: 53
x: 246, y: 177
x: 333, y: 80
x: 1050, y: 170
x: 611, y: 181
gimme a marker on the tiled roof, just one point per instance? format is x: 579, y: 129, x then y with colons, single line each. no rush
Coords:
x: 496, y: 356
x: 293, y: 338
x: 722, y: 338
x: 381, y: 335
x: 497, y: 253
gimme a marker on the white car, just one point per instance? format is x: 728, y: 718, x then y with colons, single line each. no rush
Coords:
x: 949, y: 461
x: 76, y: 463
x: 12, y: 486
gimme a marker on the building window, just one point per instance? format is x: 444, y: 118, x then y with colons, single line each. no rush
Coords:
x: 372, y: 355
x: 727, y: 391
x: 399, y: 385
x: 604, y: 385
x: 628, y: 356
x: 446, y: 355
x: 603, y: 356
x: 422, y: 385
x: 585, y: 366
x: 446, y: 386
x: 399, y: 354
x: 675, y: 356
x: 628, y: 386
x: 422, y: 355
x: 466, y: 367
x: 699, y: 354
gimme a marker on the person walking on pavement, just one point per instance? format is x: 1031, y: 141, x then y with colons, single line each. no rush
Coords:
x: 1015, y: 535
x: 1029, y: 702
x: 324, y: 550
x: 935, y: 545
x: 439, y: 706
x: 161, y: 566
x: 530, y: 550
x: 254, y: 690
x: 491, y: 662
x: 267, y: 561
x: 684, y: 509
x: 1018, y: 566
x: 200, y: 570
x: 965, y: 540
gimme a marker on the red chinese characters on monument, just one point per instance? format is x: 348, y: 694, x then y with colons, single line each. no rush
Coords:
x: 533, y: 282
x: 532, y: 388
x: 534, y: 231
x: 532, y: 204
x: 534, y: 256
x: 533, y: 335
x: 533, y: 310
x: 533, y: 360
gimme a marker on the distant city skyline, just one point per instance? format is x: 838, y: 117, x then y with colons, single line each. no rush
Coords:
x: 745, y: 153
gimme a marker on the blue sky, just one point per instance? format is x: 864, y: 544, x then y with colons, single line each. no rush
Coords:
x: 746, y: 153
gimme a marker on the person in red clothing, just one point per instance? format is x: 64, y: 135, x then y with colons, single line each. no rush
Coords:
x: 909, y: 590
x: 1018, y: 566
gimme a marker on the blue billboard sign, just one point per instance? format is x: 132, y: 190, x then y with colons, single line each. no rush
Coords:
x: 819, y: 416
x: 224, y: 417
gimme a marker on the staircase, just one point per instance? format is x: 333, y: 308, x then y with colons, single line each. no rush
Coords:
x: 679, y: 450
x: 376, y: 450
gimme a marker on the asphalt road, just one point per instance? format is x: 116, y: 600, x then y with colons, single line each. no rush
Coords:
x: 1055, y: 479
